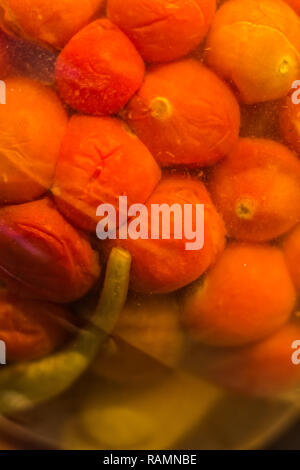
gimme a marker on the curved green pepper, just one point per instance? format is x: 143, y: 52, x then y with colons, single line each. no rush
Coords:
x: 25, y: 385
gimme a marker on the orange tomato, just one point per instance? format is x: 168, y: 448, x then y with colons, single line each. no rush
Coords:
x: 100, y: 160
x: 50, y: 22
x: 257, y: 190
x: 29, y: 140
x: 116, y: 73
x: 245, y: 297
x: 29, y: 328
x: 163, y: 30
x: 42, y: 256
x: 185, y: 114
x: 256, y: 45
x: 164, y: 264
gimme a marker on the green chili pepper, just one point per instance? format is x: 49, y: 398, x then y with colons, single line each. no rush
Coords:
x: 25, y: 385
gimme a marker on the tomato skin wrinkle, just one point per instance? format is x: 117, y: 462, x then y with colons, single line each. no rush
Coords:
x: 91, y: 146
x: 151, y: 23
